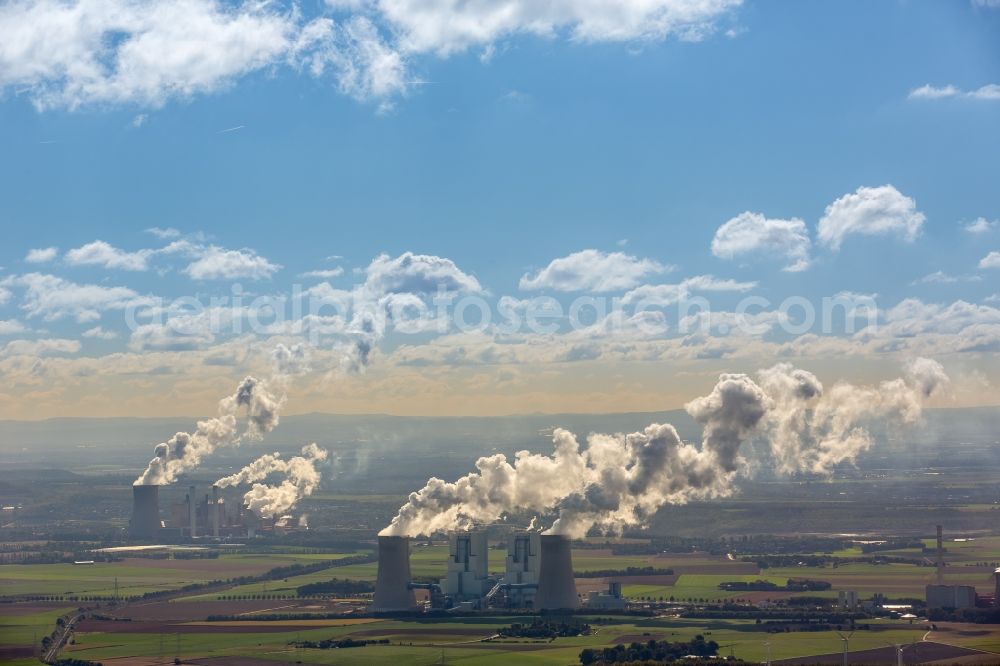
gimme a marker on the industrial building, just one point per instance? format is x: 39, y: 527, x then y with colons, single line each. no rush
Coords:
x: 393, y: 591
x: 538, y: 574
x: 205, y: 517
x: 941, y: 595
x: 468, y: 576
x: 522, y: 567
x: 145, y: 523
x: 610, y: 600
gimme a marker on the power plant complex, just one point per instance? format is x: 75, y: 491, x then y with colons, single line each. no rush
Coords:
x: 538, y: 575
x: 207, y: 517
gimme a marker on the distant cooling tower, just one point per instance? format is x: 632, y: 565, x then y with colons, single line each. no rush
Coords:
x: 392, y: 592
x: 145, y: 521
x: 556, y: 585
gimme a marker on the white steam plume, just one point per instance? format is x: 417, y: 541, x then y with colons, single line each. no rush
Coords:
x: 185, y: 451
x: 621, y: 480
x: 301, y: 479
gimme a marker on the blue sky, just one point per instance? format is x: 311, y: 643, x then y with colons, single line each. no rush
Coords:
x: 637, y: 138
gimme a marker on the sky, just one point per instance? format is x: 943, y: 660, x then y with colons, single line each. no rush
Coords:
x: 443, y: 207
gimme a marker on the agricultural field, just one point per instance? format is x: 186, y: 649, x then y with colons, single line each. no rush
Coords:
x: 467, y: 640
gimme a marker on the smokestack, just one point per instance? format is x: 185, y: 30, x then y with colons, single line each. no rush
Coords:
x: 556, y: 585
x: 193, y: 511
x: 215, y: 511
x: 940, y: 556
x: 996, y: 589
x: 392, y: 592
x: 145, y: 521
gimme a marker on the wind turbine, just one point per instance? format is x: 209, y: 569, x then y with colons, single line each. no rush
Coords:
x: 847, y: 644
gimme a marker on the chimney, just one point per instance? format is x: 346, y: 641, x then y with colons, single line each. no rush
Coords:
x: 996, y: 589
x: 940, y: 556
x: 215, y: 511
x: 193, y: 512
x: 392, y: 591
x: 145, y: 512
x: 556, y: 585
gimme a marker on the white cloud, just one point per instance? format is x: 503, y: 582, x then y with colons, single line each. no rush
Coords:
x: 84, y: 52
x: 992, y: 260
x: 325, y: 274
x: 940, y: 277
x: 981, y: 225
x: 217, y: 263
x: 100, y: 253
x: 445, y: 27
x: 366, y: 65
x: 934, y: 92
x: 41, y: 255
x: 870, y: 211
x: 752, y: 233
x: 11, y: 327
x: 40, y: 347
x: 592, y: 270
x: 98, y: 333
x: 52, y: 298
x: 164, y: 234
x: 990, y: 91
x: 667, y: 294
x: 417, y: 274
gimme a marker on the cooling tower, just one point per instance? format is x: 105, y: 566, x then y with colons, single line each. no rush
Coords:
x: 556, y: 585
x: 145, y: 521
x: 392, y: 592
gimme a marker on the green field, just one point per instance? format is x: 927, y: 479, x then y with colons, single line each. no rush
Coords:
x: 413, y: 644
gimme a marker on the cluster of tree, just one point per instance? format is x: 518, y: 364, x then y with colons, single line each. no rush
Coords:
x: 628, y: 571
x: 541, y: 628
x: 336, y: 643
x: 278, y: 573
x: 793, y: 585
x: 75, y: 662
x: 272, y: 617
x: 971, y: 615
x: 651, y: 651
x: 335, y: 586
x: 892, y: 544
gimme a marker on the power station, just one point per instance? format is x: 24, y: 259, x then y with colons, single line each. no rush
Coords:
x: 538, y: 574
x: 194, y: 517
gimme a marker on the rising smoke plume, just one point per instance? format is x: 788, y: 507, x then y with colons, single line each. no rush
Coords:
x: 185, y: 451
x: 621, y: 480
x: 301, y: 479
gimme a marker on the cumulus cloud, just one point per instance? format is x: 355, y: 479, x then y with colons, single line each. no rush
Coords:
x: 42, y: 255
x: 991, y: 260
x: 752, y: 233
x: 592, y: 270
x: 92, y: 52
x: 870, y: 211
x: 69, y: 54
x: 940, y: 277
x: 324, y: 274
x: 99, y: 333
x: 42, y: 347
x: 981, y: 225
x: 164, y: 233
x: 100, y: 253
x: 417, y: 273
x: 217, y: 263
x: 53, y: 298
x: 445, y: 27
x: 668, y: 294
x: 990, y: 91
x: 11, y: 327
